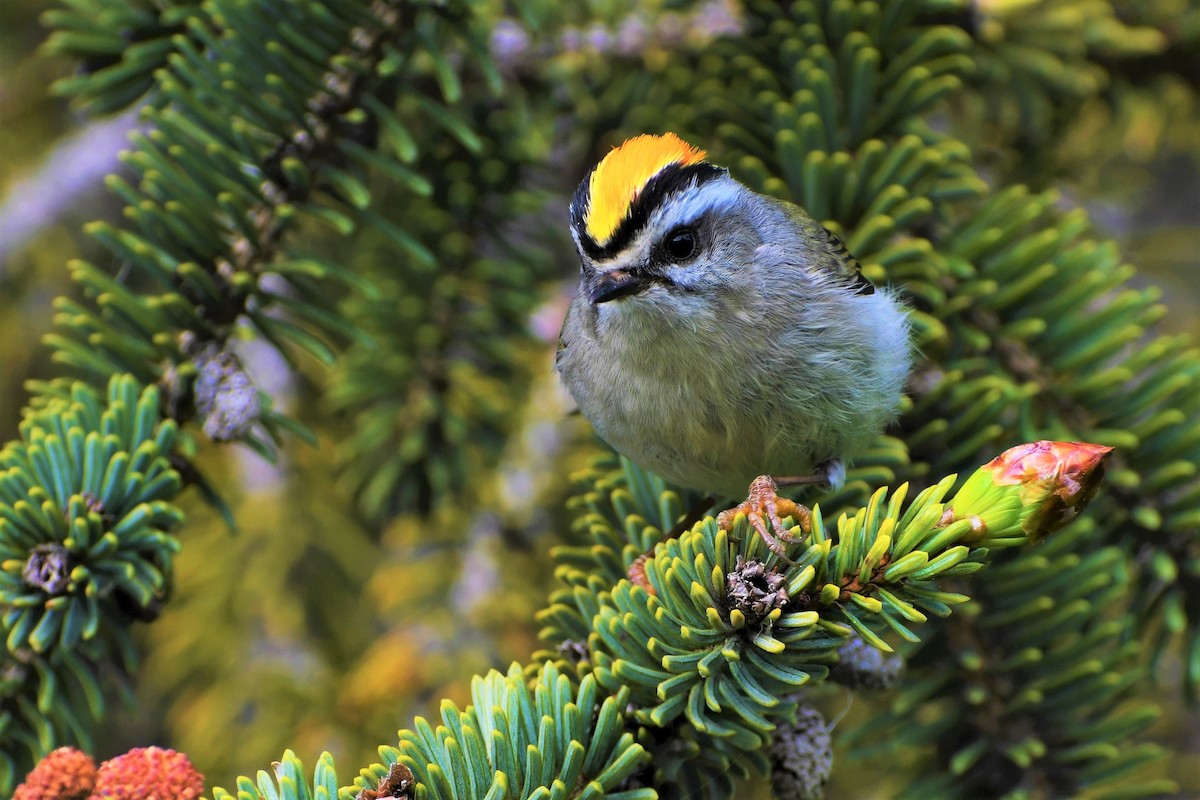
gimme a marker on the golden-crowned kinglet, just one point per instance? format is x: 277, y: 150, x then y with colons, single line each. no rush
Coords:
x: 718, y: 334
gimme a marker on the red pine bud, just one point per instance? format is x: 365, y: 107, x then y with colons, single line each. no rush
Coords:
x: 1056, y: 479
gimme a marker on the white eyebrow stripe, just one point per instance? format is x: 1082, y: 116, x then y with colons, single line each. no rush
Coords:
x: 690, y: 204
x: 630, y: 256
x: 685, y: 207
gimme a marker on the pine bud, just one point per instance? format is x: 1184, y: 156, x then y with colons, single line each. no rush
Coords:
x: 225, y: 396
x: 148, y: 773
x: 48, y: 568
x: 1050, y: 482
x: 801, y: 757
x: 863, y: 666
x: 398, y: 784
x: 63, y: 774
x: 754, y: 590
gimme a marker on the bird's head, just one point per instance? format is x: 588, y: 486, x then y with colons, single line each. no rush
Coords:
x: 658, y: 225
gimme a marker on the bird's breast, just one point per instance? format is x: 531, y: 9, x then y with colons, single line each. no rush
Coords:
x: 687, y: 400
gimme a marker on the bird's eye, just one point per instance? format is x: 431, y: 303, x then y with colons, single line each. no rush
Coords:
x: 680, y: 244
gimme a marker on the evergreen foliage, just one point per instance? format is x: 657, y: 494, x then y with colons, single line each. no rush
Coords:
x: 282, y: 135
x: 85, y: 521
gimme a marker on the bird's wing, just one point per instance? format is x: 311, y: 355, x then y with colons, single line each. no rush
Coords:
x: 845, y: 262
x: 562, y: 341
x: 838, y: 260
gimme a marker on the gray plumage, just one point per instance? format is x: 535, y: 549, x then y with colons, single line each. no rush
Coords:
x: 763, y: 352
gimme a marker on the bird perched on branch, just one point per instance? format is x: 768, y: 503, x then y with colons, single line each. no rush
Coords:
x: 717, y: 334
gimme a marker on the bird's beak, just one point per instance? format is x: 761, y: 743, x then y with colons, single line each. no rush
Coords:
x: 615, y: 284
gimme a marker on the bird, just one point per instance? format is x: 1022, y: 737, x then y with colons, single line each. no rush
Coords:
x: 718, y: 335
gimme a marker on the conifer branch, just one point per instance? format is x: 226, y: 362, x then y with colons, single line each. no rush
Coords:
x: 678, y: 676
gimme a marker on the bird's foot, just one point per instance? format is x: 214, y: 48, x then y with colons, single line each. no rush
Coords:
x: 763, y: 506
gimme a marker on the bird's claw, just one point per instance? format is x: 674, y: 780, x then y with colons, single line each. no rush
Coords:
x: 763, y: 506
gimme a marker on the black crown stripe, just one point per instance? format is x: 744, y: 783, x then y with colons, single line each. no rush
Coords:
x: 669, y: 180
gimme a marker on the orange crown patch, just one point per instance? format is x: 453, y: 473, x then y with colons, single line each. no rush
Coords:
x: 621, y: 175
